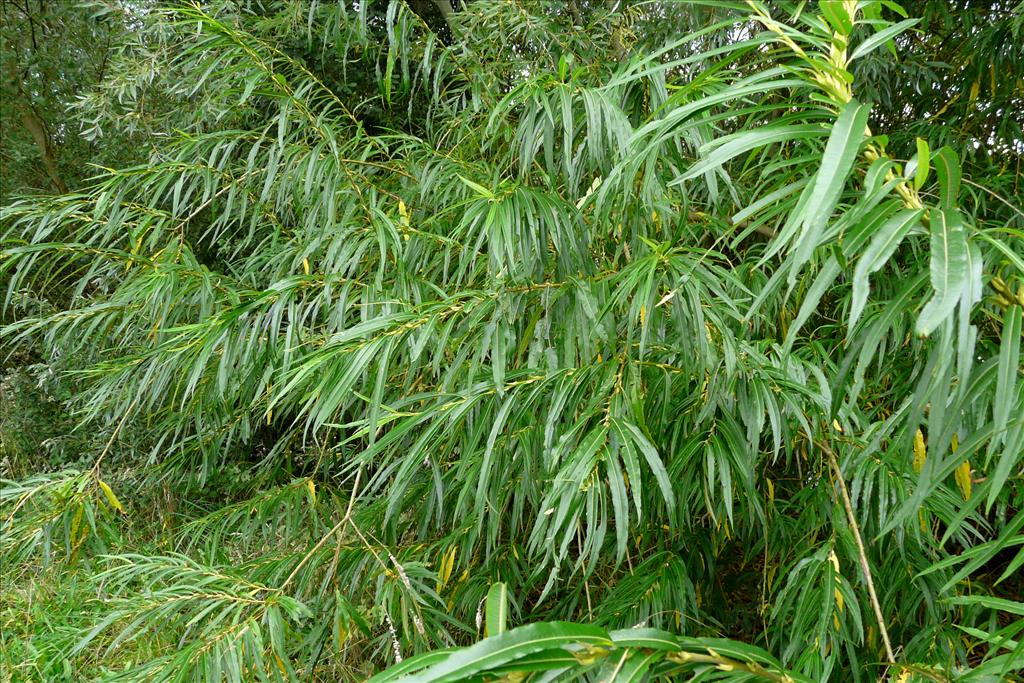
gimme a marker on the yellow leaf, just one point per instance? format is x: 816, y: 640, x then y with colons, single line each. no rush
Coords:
x: 771, y: 490
x: 963, y: 478
x: 920, y: 451
x: 643, y: 314
x: 403, y: 211
x: 834, y: 560
x: 444, y: 571
x: 305, y: 266
x: 589, y: 654
x: 311, y: 487
x: 839, y: 599
x: 111, y: 498
x: 838, y: 427
x: 76, y: 524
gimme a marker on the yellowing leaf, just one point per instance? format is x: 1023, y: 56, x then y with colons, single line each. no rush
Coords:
x: 76, y: 524
x: 963, y: 478
x: 839, y: 600
x: 311, y: 487
x: 444, y: 571
x: 305, y: 266
x: 834, y: 560
x: 920, y: 451
x: 771, y: 490
x: 111, y: 498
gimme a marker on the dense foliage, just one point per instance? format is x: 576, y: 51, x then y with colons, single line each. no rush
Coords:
x: 376, y: 328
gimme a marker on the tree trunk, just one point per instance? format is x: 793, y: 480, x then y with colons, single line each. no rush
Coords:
x: 39, y: 133
x: 446, y: 9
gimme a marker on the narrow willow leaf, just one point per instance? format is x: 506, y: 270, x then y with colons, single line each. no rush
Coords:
x: 838, y: 15
x: 633, y: 434
x: 878, y: 252
x: 963, y: 478
x: 881, y: 37
x: 108, y: 493
x: 998, y: 604
x: 510, y: 646
x: 948, y: 269
x: 445, y: 566
x: 968, y: 333
x: 920, y: 451
x: 632, y: 666
x: 554, y: 660
x: 947, y: 170
x: 496, y: 609
x: 923, y: 164
x: 837, y: 161
x: 650, y: 638
x: 1009, y: 368
x: 1007, y: 398
x: 407, y: 667
x: 731, y: 146
x: 822, y: 283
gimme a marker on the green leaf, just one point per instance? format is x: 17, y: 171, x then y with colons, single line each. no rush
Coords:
x: 947, y: 170
x: 730, y: 146
x: 511, y: 646
x: 837, y: 161
x: 555, y: 659
x: 878, y: 252
x: 923, y: 164
x: 496, y: 609
x: 650, y: 638
x: 631, y: 432
x: 837, y: 15
x: 409, y: 666
x: 999, y: 604
x: 881, y: 37
x: 1006, y: 398
x: 949, y: 270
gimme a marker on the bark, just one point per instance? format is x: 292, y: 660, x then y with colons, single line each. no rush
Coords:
x: 446, y: 9
x: 37, y: 128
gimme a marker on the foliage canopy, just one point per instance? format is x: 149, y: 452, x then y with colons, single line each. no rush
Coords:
x: 415, y: 320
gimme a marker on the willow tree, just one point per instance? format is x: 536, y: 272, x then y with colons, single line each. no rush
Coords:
x: 620, y: 314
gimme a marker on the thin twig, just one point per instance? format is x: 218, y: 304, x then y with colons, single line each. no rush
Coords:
x: 110, y: 442
x: 337, y: 528
x: 891, y: 658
